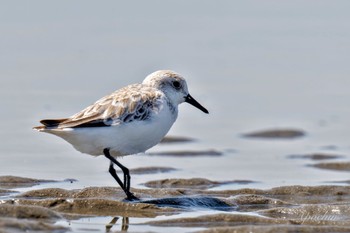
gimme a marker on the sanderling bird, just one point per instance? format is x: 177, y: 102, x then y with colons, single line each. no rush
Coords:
x: 128, y: 121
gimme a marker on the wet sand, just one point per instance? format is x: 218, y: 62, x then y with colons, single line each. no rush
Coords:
x: 164, y: 202
x: 316, y: 156
x: 186, y: 204
x: 338, y: 166
x: 276, y: 134
x: 283, y: 209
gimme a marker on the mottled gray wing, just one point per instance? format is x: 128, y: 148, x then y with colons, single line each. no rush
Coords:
x: 131, y: 103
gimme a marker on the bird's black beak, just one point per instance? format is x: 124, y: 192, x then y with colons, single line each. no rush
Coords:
x: 189, y: 99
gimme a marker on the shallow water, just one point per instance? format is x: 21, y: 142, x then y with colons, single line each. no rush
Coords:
x: 255, y: 66
x: 288, y: 208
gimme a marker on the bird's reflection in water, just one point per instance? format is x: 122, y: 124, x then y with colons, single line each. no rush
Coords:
x: 124, y: 227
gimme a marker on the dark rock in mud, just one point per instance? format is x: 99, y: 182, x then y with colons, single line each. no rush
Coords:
x: 276, y: 134
x: 175, y: 139
x: 188, y: 153
x: 13, y: 225
x: 17, y: 182
x: 194, y: 183
x: 337, y: 166
x: 316, y: 156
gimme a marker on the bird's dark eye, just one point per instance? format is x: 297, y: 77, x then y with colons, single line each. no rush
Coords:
x: 176, y: 84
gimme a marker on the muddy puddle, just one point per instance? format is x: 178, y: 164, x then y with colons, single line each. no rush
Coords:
x: 182, y: 205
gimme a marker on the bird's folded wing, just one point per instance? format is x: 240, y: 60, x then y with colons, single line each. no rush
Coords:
x: 123, y: 106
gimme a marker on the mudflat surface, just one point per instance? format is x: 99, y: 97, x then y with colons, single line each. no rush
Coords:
x: 283, y: 209
x: 276, y: 134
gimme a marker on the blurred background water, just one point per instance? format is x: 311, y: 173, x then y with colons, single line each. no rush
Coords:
x: 253, y: 64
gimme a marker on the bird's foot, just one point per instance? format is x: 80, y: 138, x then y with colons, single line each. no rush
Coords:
x: 131, y: 197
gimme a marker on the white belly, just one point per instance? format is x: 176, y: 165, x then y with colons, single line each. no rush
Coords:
x: 122, y: 139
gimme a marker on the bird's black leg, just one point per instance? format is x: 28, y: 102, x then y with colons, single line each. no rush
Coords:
x: 115, y: 176
x: 126, y: 185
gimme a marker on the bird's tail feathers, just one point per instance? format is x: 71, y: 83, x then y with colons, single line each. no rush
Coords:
x: 49, y: 123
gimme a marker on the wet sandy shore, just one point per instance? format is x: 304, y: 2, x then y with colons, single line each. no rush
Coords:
x: 283, y: 133
x: 283, y: 209
x: 188, y: 205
